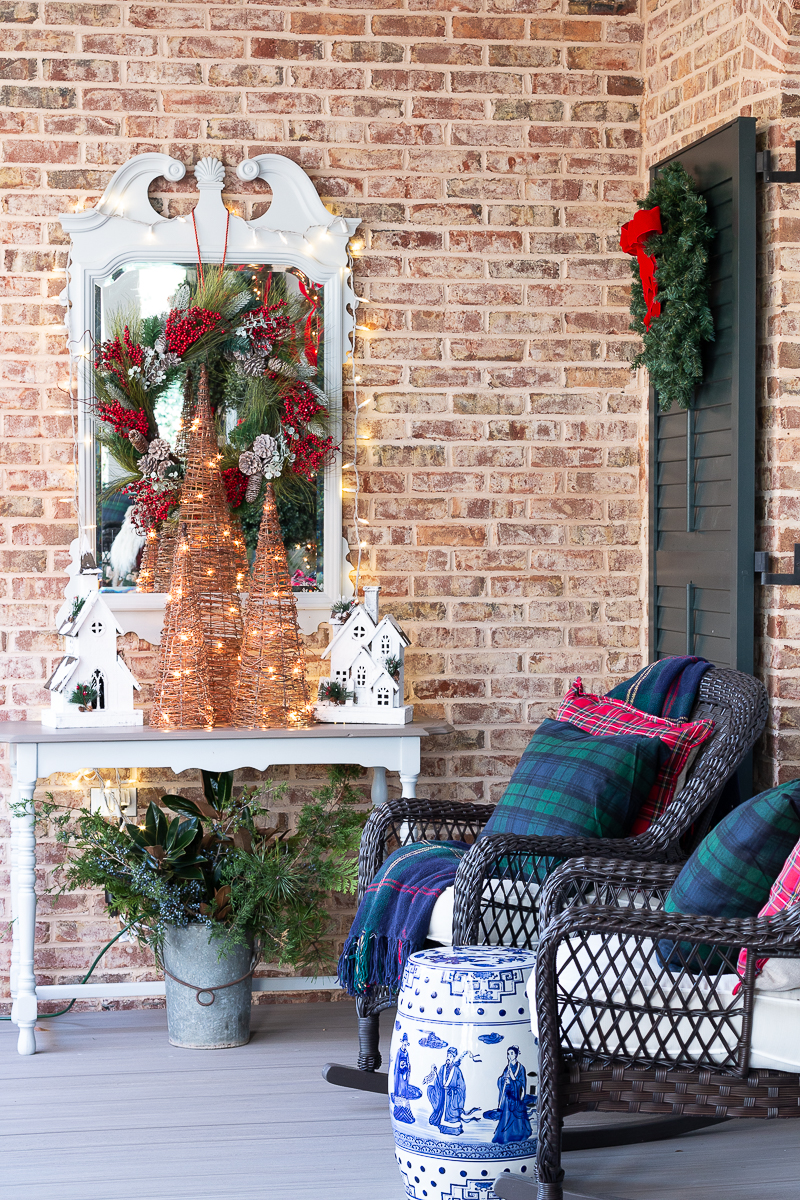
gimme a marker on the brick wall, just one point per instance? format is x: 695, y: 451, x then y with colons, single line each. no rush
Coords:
x: 705, y: 65
x: 492, y: 149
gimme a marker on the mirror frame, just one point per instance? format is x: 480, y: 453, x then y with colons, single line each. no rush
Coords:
x: 296, y: 230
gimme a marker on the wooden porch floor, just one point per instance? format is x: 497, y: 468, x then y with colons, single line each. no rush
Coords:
x: 108, y: 1110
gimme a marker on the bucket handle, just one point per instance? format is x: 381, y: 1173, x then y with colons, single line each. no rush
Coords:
x: 218, y: 987
x: 203, y: 991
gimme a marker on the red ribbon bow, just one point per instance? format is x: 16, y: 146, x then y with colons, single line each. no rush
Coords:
x: 633, y: 236
x: 311, y: 334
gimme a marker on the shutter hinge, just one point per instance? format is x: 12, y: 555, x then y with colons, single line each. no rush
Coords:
x: 764, y: 167
x: 762, y: 569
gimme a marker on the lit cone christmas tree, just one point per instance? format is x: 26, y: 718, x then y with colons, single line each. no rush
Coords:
x: 182, y: 694
x: 217, y: 559
x: 145, y: 580
x: 271, y: 688
x: 168, y: 533
x: 159, y: 548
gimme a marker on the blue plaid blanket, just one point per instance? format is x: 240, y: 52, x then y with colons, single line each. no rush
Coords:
x: 393, y: 918
x: 667, y: 688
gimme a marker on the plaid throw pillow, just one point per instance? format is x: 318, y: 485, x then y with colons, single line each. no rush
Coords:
x: 732, y: 870
x: 569, y: 783
x: 601, y: 716
x: 782, y: 973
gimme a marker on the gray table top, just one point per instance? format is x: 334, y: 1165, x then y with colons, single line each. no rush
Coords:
x: 21, y: 732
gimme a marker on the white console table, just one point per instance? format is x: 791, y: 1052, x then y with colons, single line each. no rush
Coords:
x: 37, y: 752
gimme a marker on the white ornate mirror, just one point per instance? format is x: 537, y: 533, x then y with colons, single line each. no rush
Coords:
x: 124, y: 251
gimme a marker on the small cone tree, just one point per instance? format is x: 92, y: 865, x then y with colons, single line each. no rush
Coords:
x: 271, y: 687
x: 146, y: 579
x: 218, y: 559
x: 182, y: 695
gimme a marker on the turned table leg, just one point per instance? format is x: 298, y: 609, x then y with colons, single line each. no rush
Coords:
x: 380, y: 790
x: 14, y: 971
x: 24, y: 915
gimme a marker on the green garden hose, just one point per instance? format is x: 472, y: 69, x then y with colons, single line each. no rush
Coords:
x: 85, y: 979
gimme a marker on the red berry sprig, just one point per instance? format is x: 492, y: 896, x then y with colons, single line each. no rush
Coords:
x: 235, y: 483
x: 116, y: 356
x: 150, y: 507
x: 185, y: 326
x: 268, y: 324
x: 123, y: 420
x: 301, y: 406
x: 310, y: 454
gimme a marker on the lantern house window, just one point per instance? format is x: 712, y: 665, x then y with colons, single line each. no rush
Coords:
x: 99, y: 683
x: 383, y: 697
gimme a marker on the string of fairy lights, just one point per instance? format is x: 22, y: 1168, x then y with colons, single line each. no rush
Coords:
x: 353, y: 249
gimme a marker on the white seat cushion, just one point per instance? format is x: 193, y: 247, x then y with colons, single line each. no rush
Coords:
x: 775, y: 1041
x: 440, y: 929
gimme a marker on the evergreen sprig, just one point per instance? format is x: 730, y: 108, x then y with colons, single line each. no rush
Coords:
x: 222, y: 861
x: 672, y: 345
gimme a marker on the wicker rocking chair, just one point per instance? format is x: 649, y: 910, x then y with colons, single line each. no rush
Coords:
x: 498, y: 882
x: 619, y: 1031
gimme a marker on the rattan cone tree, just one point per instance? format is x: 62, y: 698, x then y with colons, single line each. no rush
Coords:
x: 182, y: 699
x: 159, y: 549
x: 145, y: 581
x: 271, y: 686
x: 217, y: 558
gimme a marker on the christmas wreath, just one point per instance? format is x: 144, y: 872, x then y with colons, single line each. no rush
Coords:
x: 261, y: 344
x: 670, y: 238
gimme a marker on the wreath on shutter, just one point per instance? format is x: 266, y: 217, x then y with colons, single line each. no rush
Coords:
x: 670, y: 238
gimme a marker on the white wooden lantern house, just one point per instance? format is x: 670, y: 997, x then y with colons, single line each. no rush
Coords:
x: 90, y: 631
x: 359, y: 652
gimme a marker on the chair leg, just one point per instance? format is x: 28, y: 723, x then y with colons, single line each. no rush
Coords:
x: 549, y: 1172
x: 369, y: 1033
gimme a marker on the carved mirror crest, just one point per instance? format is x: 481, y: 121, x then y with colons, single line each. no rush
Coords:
x: 125, y: 253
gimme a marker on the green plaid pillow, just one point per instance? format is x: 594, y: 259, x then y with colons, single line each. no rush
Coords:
x: 569, y: 783
x: 732, y: 870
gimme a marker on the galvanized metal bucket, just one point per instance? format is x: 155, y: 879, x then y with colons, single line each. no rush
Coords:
x: 208, y: 996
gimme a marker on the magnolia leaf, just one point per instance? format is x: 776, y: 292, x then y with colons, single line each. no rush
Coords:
x: 243, y: 841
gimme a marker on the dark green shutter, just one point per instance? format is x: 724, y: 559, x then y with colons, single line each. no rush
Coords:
x: 702, y: 463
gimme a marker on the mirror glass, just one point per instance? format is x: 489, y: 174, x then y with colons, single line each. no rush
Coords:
x: 146, y: 288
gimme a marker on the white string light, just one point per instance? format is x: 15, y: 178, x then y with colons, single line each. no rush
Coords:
x: 357, y: 519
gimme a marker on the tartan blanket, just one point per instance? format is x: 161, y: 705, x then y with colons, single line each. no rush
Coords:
x: 667, y: 688
x: 393, y: 917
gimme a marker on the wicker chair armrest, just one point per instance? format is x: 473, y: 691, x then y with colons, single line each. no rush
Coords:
x: 414, y: 820
x: 609, y: 882
x: 525, y: 862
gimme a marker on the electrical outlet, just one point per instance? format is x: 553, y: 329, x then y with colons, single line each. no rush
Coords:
x: 106, y: 805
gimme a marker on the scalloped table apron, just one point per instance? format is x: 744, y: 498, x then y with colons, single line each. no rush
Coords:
x: 37, y: 752
x: 460, y: 1090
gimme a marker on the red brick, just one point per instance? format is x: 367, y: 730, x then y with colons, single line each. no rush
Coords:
x: 261, y: 20
x: 205, y: 47
x: 489, y: 28
x: 328, y: 24
x: 414, y: 27
x: 168, y: 16
x: 283, y: 49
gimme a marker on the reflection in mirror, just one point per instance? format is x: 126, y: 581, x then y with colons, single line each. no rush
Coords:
x: 138, y: 292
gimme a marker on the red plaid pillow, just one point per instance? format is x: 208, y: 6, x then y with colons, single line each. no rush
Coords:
x: 600, y: 716
x: 785, y: 891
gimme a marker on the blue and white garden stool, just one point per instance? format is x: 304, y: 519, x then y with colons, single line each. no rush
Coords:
x: 459, y: 1088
